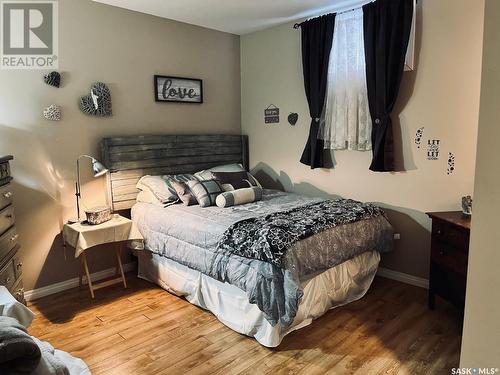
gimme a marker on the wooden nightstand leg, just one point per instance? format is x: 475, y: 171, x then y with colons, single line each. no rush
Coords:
x: 80, y: 273
x: 87, y: 273
x: 120, y: 266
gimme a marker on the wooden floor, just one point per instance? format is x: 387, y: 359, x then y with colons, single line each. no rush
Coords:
x: 145, y: 330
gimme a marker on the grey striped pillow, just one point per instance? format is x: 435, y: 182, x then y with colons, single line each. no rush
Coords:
x: 205, y: 191
x: 239, y: 196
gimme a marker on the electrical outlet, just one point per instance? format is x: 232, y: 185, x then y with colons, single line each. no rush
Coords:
x: 397, y: 236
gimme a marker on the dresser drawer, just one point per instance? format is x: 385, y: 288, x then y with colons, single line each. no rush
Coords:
x: 449, y: 257
x: 8, y: 275
x: 18, y: 265
x: 448, y: 285
x: 8, y: 241
x: 7, y: 219
x: 6, y: 196
x: 18, y: 291
x: 5, y: 171
x: 451, y: 234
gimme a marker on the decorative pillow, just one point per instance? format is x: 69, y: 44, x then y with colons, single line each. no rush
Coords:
x: 205, y: 191
x: 158, y: 187
x: 185, y: 177
x: 184, y: 193
x: 161, y: 186
x: 233, y: 180
x: 208, y: 175
x: 239, y: 196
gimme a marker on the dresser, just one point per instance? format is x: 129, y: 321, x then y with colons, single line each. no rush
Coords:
x: 449, y: 257
x: 11, y: 267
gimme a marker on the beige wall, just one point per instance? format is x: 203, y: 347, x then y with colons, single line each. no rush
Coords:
x: 123, y: 49
x: 482, y: 312
x: 442, y: 95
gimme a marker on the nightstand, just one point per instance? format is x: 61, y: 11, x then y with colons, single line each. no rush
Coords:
x: 449, y: 257
x: 82, y: 236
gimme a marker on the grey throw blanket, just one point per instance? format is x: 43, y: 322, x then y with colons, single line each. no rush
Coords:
x: 19, y: 354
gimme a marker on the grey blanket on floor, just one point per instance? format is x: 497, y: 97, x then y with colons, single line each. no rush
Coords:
x: 190, y: 236
x: 51, y: 364
x: 19, y: 354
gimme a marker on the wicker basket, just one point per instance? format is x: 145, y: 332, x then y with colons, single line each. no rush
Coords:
x: 98, y: 215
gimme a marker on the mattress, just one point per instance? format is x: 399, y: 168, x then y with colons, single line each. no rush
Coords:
x: 190, y: 236
x: 335, y: 287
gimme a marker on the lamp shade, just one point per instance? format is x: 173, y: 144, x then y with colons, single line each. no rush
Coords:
x: 98, y: 168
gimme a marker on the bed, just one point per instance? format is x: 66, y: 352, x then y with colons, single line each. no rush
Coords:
x: 262, y: 297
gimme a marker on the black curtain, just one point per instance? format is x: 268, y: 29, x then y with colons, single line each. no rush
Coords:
x: 317, y: 36
x: 387, y: 26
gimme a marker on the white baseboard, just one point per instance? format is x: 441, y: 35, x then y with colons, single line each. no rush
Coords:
x: 403, y: 277
x: 31, y: 295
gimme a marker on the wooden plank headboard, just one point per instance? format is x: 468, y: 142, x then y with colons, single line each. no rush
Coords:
x: 130, y: 158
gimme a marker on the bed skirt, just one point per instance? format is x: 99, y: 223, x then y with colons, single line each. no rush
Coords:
x: 336, y: 287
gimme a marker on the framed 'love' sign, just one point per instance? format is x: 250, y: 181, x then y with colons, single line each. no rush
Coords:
x: 178, y: 89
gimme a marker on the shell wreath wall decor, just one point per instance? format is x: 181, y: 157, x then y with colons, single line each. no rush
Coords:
x: 52, y: 113
x: 98, y: 102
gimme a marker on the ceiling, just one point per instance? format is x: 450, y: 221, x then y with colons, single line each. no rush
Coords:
x: 235, y: 16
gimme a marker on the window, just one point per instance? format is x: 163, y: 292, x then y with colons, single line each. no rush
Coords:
x: 346, y: 122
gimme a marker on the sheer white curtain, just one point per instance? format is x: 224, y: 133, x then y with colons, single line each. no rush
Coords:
x: 346, y: 121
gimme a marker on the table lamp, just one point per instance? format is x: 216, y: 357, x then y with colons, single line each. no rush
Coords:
x: 99, y: 170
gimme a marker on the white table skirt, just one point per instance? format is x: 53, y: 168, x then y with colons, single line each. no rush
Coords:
x: 83, y: 236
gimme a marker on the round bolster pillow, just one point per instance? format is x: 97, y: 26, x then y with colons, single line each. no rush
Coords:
x: 239, y: 196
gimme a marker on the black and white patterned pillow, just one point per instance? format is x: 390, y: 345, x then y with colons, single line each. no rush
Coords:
x: 184, y: 177
x: 205, y: 191
x: 208, y: 175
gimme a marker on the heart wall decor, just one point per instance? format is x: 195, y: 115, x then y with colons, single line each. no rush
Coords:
x: 52, y: 113
x: 292, y: 118
x: 98, y: 102
x: 52, y: 79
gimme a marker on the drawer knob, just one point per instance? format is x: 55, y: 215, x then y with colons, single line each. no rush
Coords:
x: 14, y: 237
x: 19, y: 265
x: 8, y: 194
x: 439, y: 231
x: 9, y: 216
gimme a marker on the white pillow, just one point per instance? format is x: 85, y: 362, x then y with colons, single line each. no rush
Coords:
x: 206, y: 174
x: 157, y: 186
x: 145, y: 196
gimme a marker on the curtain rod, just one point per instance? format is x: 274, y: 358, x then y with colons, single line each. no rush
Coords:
x: 297, y: 25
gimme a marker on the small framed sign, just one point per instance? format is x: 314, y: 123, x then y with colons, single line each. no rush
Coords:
x: 178, y: 89
x: 272, y: 114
